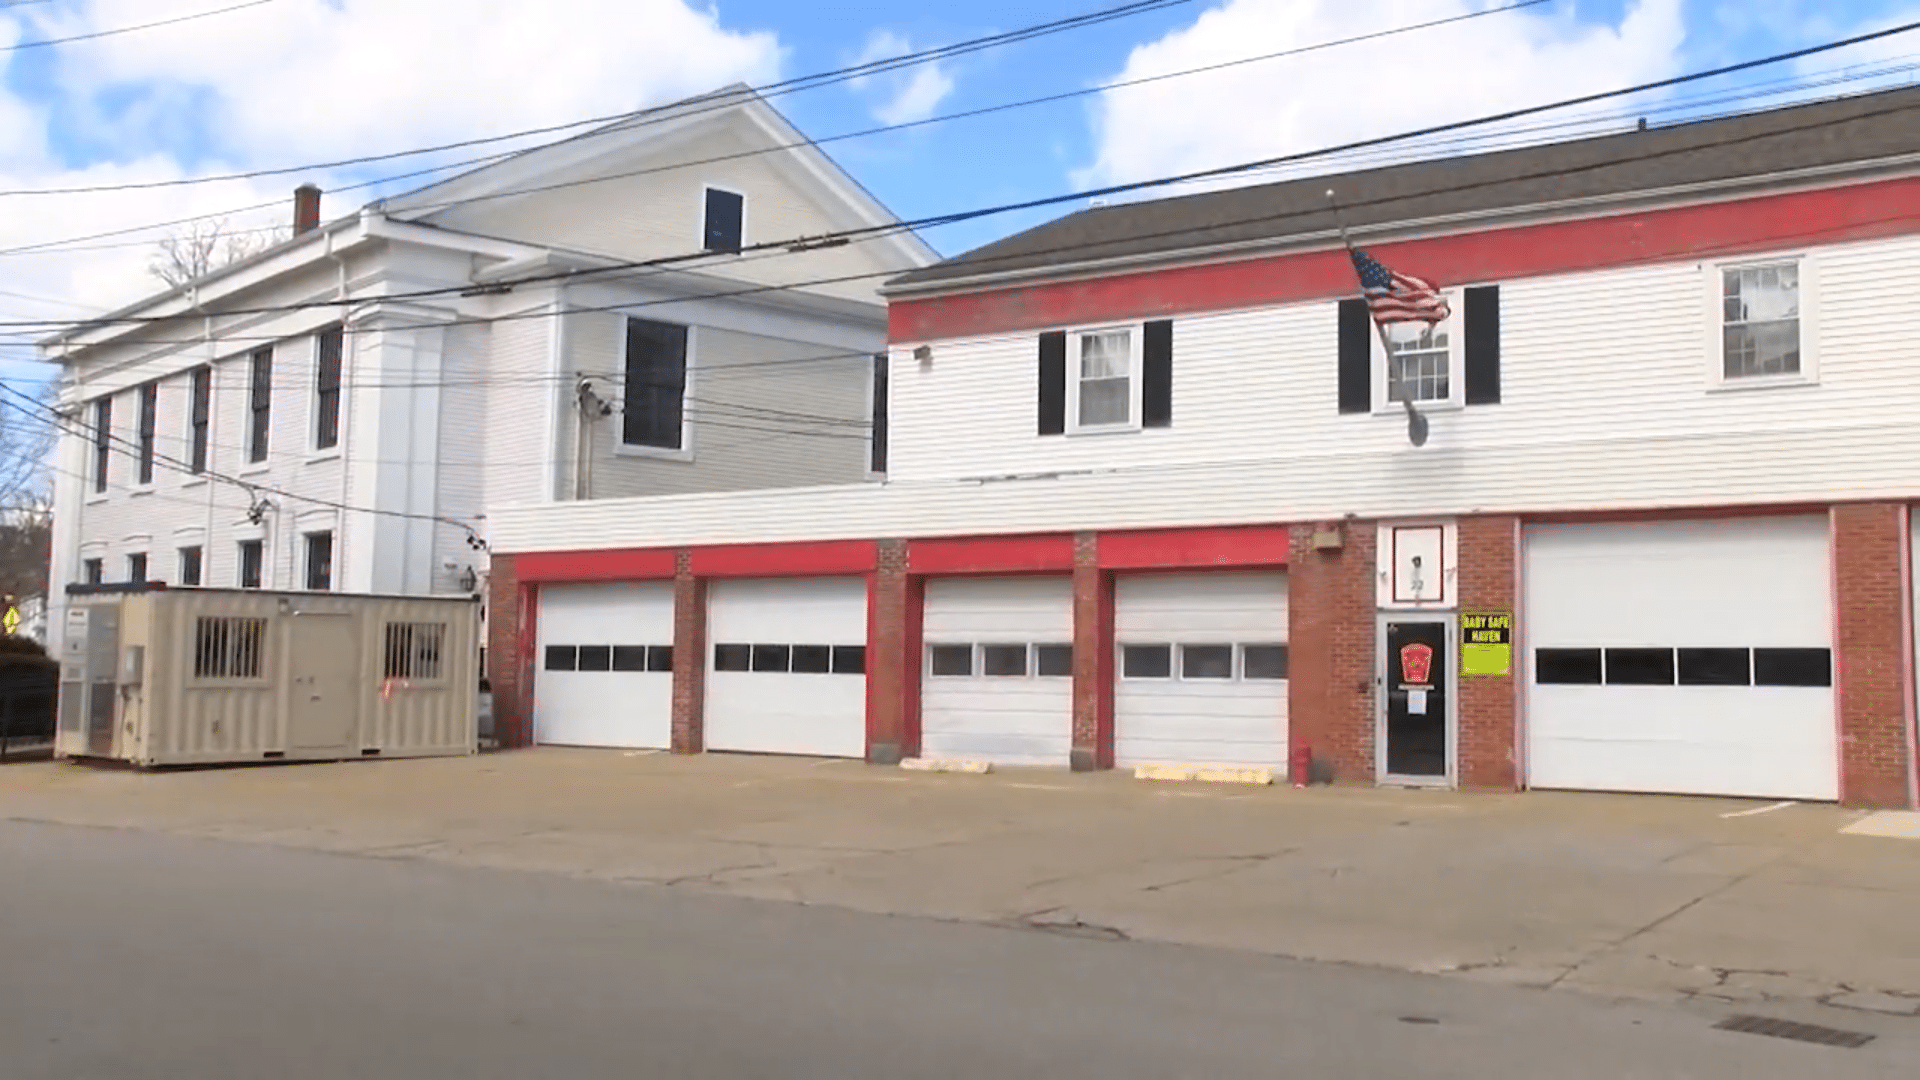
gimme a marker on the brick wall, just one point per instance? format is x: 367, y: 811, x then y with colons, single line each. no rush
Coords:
x: 689, y: 657
x: 1870, y: 654
x: 893, y: 652
x: 509, y: 649
x: 1092, y: 658
x: 1330, y: 608
x: 1489, y: 582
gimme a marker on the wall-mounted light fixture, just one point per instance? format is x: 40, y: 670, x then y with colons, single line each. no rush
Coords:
x: 923, y: 353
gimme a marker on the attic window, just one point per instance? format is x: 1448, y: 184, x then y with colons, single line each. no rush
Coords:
x: 725, y: 220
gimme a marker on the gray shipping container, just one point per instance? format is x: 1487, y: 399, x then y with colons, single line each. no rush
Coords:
x: 161, y: 676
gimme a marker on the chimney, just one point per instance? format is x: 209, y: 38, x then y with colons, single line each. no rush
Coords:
x: 306, y: 209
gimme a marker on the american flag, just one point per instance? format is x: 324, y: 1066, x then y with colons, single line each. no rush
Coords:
x: 1397, y: 298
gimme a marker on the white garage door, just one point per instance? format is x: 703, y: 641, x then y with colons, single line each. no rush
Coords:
x: 998, y: 683
x: 1203, y: 669
x: 606, y: 665
x: 1692, y: 658
x: 788, y: 666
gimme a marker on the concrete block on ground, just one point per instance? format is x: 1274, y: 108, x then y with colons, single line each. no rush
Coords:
x: 947, y: 765
x: 1205, y: 774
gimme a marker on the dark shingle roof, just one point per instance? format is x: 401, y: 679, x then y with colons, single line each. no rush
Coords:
x: 1853, y: 129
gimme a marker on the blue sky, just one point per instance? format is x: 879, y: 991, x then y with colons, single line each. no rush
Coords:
x: 292, y: 81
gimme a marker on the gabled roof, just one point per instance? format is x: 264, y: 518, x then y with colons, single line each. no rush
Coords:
x: 537, y: 165
x: 1846, y: 134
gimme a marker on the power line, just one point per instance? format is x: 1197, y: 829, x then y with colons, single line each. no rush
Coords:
x: 863, y: 133
x: 801, y: 244
x: 675, y: 111
x: 47, y: 42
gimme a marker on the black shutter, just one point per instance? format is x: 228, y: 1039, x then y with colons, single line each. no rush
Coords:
x: 1483, y: 345
x: 1053, y: 382
x: 1156, y: 375
x: 877, y: 462
x: 1356, y: 357
x: 725, y: 220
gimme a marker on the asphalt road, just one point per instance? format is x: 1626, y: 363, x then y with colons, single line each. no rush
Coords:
x: 130, y: 955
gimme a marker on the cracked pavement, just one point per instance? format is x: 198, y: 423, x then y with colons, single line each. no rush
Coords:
x: 1660, y: 899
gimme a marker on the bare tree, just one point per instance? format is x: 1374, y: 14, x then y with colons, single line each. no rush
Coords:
x: 206, y: 245
x: 26, y: 442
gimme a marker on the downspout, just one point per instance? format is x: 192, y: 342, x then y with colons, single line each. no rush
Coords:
x: 557, y: 343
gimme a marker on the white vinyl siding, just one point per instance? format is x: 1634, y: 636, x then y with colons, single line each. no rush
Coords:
x: 1011, y: 719
x: 1625, y: 611
x: 1273, y: 447
x: 787, y: 711
x: 600, y: 706
x: 1210, y: 708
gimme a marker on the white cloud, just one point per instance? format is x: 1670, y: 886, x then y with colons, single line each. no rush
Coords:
x: 305, y: 80
x: 909, y: 94
x: 1342, y: 94
x: 1875, y: 64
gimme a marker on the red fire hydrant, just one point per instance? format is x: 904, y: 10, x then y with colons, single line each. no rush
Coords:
x: 1300, y: 765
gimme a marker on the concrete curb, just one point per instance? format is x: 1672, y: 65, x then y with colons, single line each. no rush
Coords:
x: 1204, y: 774
x: 941, y: 765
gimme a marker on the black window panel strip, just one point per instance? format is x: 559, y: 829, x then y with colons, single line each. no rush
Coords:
x: 1053, y: 383
x: 1639, y: 667
x: 659, y: 658
x: 733, y: 657
x: 849, y: 659
x: 877, y: 448
x: 1568, y: 667
x: 1356, y: 357
x: 563, y: 658
x: 596, y: 658
x: 1716, y: 667
x: 1793, y: 667
x: 629, y: 658
x: 1156, y: 374
x: 813, y: 659
x: 1482, y: 317
x: 772, y: 657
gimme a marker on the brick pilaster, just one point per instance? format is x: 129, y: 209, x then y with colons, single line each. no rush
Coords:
x: 1330, y: 613
x: 1870, y: 662
x: 689, y: 657
x: 1489, y: 582
x: 1093, y: 660
x: 511, y: 613
x: 893, y: 658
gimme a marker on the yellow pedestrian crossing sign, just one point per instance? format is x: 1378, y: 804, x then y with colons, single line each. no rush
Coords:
x: 10, y: 622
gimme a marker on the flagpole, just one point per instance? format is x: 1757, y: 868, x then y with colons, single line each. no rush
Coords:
x: 1380, y: 331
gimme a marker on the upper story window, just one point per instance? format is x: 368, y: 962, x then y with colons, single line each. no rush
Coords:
x: 877, y: 434
x: 724, y: 225
x: 259, y: 404
x: 102, y: 442
x: 329, y: 350
x: 199, y: 418
x: 137, y: 567
x: 149, y: 423
x: 1453, y: 362
x: 93, y: 571
x: 654, y: 397
x: 320, y: 561
x: 252, y: 563
x: 1117, y: 378
x: 1760, y: 320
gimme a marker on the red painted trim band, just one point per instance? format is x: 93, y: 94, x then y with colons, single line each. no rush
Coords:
x: 1787, y: 221
x: 1260, y: 545
x: 556, y: 567
x: 786, y: 560
x: 991, y: 554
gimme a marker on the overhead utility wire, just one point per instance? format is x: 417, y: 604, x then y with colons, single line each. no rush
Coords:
x: 624, y: 121
x: 863, y: 133
x: 805, y: 243
x: 115, y: 31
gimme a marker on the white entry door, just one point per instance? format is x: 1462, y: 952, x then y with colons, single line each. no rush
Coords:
x: 1682, y: 657
x: 998, y: 680
x: 606, y: 665
x: 787, y: 666
x: 1203, y: 669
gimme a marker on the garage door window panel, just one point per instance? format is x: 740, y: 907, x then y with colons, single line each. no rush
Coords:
x: 1568, y: 667
x: 596, y: 658
x: 1214, y: 662
x: 1716, y: 667
x: 1053, y: 661
x: 629, y: 658
x: 1640, y: 667
x: 849, y: 659
x: 562, y: 658
x: 1003, y: 661
x: 951, y: 661
x: 1146, y: 661
x: 1793, y: 667
x: 733, y: 657
x: 1263, y: 662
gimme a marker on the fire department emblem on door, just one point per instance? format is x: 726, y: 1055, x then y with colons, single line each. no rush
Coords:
x: 1416, y: 660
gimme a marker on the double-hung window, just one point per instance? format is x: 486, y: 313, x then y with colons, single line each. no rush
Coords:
x: 259, y: 404
x: 102, y: 442
x: 200, y: 417
x: 329, y: 349
x: 654, y: 406
x: 149, y: 421
x: 1104, y: 388
x: 1760, y: 321
x: 1113, y: 378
